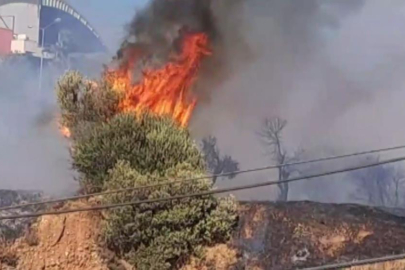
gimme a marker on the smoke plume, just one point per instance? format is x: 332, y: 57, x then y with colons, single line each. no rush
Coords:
x: 331, y: 68
x: 155, y: 34
x: 33, y: 155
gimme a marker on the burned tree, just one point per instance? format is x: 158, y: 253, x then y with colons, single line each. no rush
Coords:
x: 379, y: 186
x: 215, y: 163
x: 271, y: 136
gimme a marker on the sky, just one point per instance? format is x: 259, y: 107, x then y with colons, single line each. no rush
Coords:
x: 108, y: 17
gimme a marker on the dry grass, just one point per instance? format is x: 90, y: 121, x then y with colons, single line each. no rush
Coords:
x: 277, y: 234
x: 8, y: 256
x: 219, y: 257
x: 256, y: 220
x: 394, y: 265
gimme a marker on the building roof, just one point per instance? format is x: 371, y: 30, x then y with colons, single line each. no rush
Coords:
x: 62, y: 6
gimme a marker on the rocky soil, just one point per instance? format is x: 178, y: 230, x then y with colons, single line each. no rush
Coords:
x: 11, y: 229
x: 277, y: 236
x: 293, y: 235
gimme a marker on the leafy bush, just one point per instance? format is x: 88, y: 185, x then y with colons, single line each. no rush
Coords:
x: 149, y: 143
x: 83, y: 102
x: 161, y: 235
x: 113, y: 150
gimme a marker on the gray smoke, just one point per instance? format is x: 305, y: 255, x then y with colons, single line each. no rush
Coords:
x: 156, y: 32
x: 333, y: 69
x: 33, y: 155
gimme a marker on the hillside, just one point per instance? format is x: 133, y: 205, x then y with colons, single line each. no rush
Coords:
x: 303, y: 234
x: 270, y: 236
x: 11, y: 229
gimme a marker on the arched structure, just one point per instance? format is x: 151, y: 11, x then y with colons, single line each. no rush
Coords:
x: 25, y: 18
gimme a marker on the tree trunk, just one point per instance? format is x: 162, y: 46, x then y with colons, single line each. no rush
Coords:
x: 283, y: 195
x: 283, y: 187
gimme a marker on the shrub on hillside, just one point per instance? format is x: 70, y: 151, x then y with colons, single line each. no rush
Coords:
x: 82, y: 102
x: 113, y: 150
x: 162, y: 235
x: 149, y: 143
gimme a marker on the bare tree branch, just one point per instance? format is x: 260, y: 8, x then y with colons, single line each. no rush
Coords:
x: 380, y: 186
x: 271, y: 136
x: 217, y: 164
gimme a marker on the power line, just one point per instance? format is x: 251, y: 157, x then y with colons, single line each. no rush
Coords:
x: 206, y: 193
x: 176, y: 181
x: 358, y: 262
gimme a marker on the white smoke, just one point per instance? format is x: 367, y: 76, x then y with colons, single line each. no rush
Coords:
x: 33, y: 154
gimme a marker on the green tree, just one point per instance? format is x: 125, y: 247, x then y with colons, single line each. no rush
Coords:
x: 83, y: 102
x: 149, y: 143
x: 114, y: 150
x: 162, y: 235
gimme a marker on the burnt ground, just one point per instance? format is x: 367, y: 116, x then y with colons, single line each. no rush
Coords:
x: 302, y: 234
x: 276, y: 236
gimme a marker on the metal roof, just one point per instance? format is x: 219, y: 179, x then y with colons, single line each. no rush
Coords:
x: 60, y: 5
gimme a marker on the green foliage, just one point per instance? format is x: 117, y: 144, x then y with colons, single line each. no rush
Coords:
x: 81, y: 102
x: 149, y: 143
x: 161, y: 235
x: 113, y: 150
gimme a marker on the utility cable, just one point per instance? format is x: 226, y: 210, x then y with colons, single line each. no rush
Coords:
x: 176, y: 181
x: 206, y: 193
x: 358, y: 262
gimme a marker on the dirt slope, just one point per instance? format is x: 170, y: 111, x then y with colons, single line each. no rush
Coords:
x: 303, y: 234
x: 270, y: 236
x: 60, y: 242
x: 11, y: 229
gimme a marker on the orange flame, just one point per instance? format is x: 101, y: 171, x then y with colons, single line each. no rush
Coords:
x: 165, y: 91
x: 65, y: 131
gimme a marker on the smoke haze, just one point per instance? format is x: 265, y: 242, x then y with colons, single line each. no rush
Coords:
x: 33, y: 154
x: 331, y: 68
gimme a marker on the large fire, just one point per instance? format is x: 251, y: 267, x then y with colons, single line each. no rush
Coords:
x: 167, y: 90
